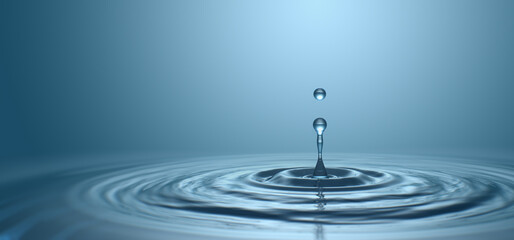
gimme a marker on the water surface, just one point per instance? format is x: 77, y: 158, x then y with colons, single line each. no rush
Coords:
x: 266, y: 197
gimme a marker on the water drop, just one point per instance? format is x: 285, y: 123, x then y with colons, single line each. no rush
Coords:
x: 319, y: 126
x: 320, y: 94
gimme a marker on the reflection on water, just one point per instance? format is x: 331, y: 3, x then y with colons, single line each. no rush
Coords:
x: 266, y: 196
x: 320, y: 204
x: 319, y: 232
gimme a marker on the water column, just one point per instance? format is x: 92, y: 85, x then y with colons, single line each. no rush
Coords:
x: 320, y: 125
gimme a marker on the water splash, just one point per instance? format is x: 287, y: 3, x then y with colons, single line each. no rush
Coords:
x: 320, y: 125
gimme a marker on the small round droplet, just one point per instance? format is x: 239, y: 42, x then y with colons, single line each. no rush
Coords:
x: 320, y: 94
x: 319, y: 125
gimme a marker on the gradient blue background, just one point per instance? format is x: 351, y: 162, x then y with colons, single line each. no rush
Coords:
x: 232, y: 77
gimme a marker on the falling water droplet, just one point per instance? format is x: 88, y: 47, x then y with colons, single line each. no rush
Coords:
x: 319, y: 126
x: 320, y: 94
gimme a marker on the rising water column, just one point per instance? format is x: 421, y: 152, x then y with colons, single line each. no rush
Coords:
x: 319, y: 126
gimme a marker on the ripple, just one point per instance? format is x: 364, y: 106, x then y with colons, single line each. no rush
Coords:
x: 365, y: 194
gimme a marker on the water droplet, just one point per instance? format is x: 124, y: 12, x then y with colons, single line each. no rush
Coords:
x: 320, y: 94
x: 319, y: 125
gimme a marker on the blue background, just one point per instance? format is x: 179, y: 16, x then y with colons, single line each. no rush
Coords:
x: 232, y: 77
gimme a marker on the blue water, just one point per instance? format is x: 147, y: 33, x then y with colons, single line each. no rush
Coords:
x: 319, y: 125
x: 265, y: 197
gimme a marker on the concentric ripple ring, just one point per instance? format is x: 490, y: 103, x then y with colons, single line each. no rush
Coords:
x: 258, y: 194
